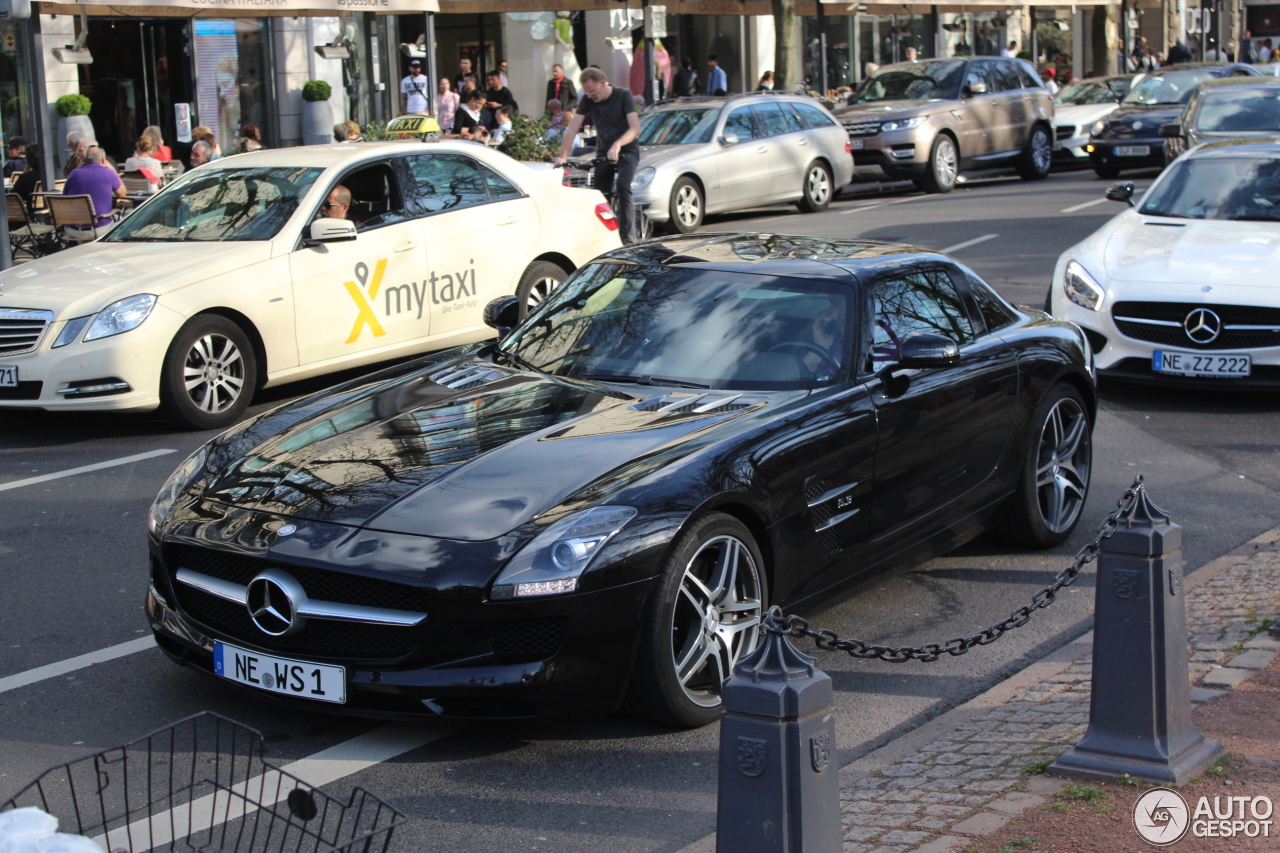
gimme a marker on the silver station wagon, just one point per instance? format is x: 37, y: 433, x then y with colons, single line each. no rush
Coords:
x: 711, y: 155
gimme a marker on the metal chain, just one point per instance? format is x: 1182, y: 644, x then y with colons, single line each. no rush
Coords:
x: 794, y: 626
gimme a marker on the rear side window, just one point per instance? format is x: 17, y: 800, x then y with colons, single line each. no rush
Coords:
x: 500, y: 189
x: 741, y: 124
x: 812, y: 116
x: 993, y: 312
x: 775, y: 120
x: 444, y: 182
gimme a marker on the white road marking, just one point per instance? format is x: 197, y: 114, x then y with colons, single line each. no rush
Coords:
x: 967, y: 243
x: 267, y: 789
x: 882, y: 204
x: 53, y: 670
x: 1076, y: 207
x: 84, y: 469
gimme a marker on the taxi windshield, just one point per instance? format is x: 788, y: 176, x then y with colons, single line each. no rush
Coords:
x: 220, y: 205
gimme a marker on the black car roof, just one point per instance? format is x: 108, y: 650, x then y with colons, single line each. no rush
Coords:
x: 1226, y: 82
x: 1250, y: 72
x: 1243, y: 147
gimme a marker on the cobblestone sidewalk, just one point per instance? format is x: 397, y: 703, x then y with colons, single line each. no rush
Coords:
x: 973, y: 779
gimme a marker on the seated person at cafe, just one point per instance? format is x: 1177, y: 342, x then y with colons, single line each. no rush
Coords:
x: 144, y: 158
x: 27, y: 182
x: 14, y: 162
x: 98, y: 181
x: 468, y: 121
x: 201, y: 153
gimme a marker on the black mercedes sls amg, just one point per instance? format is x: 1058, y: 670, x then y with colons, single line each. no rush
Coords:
x: 595, y: 509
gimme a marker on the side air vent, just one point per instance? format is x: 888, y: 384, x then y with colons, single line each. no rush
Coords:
x: 821, y: 514
x: 461, y: 378
x: 697, y: 404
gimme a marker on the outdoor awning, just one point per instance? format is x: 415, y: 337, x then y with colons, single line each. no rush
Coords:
x: 751, y: 7
x: 237, y: 8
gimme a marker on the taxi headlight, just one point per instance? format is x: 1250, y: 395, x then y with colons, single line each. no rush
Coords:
x: 903, y: 124
x: 121, y: 316
x: 174, y: 486
x: 1098, y: 127
x: 1081, y: 288
x: 643, y: 178
x: 552, y: 563
x: 71, y: 331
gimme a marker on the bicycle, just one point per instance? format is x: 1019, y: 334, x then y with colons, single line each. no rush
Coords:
x: 643, y: 225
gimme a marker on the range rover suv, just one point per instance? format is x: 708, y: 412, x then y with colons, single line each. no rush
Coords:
x: 927, y: 121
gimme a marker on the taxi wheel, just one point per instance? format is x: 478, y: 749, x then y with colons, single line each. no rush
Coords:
x: 209, y: 374
x: 536, y: 284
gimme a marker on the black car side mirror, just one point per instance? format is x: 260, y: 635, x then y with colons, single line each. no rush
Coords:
x: 927, y: 349
x: 1122, y: 191
x: 502, y: 314
x: 1172, y: 130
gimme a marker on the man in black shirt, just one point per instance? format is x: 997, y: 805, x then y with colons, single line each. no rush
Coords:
x: 498, y: 94
x: 686, y: 83
x: 617, y: 126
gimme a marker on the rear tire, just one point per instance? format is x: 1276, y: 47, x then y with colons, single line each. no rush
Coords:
x: 1106, y: 171
x: 1037, y: 158
x: 208, y: 375
x: 699, y: 622
x: 537, y: 283
x: 943, y: 168
x: 687, y: 206
x: 817, y: 188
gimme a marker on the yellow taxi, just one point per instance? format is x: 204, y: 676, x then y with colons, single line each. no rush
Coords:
x: 236, y: 277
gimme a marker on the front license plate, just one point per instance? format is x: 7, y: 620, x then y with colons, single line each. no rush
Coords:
x: 8, y: 376
x: 1199, y: 364
x: 1132, y: 150
x: 856, y: 144
x: 281, y: 675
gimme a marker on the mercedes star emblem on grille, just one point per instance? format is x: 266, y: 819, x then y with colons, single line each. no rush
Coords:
x: 272, y: 599
x: 1202, y: 326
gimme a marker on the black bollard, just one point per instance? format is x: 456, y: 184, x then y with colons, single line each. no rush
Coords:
x: 1140, y: 707
x: 779, y: 777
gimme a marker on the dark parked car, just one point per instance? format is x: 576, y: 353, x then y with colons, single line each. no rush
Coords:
x: 1225, y: 109
x: 598, y: 509
x: 1130, y: 137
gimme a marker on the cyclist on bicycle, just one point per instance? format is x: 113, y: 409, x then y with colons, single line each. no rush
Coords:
x: 617, y: 126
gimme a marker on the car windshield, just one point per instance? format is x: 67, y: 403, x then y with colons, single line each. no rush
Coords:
x: 1089, y: 92
x: 678, y: 127
x: 699, y: 329
x: 1217, y: 188
x: 911, y: 81
x: 1240, y: 109
x: 220, y: 205
x: 1172, y: 88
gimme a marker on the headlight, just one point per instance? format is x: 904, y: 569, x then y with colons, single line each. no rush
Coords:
x: 121, y: 316
x: 1098, y: 127
x: 903, y: 124
x: 1081, y: 288
x: 552, y: 563
x: 643, y: 178
x: 174, y: 486
x: 71, y: 331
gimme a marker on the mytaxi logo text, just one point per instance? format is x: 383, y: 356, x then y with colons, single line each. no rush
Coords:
x: 444, y: 288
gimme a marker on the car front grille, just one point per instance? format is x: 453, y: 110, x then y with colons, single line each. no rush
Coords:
x: 319, y: 637
x: 862, y: 128
x: 529, y: 639
x: 22, y: 329
x: 1243, y: 326
x: 1065, y: 131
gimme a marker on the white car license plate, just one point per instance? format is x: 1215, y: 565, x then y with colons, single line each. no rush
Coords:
x: 1200, y: 364
x: 281, y: 675
x: 856, y: 144
x: 8, y: 376
x: 1132, y: 150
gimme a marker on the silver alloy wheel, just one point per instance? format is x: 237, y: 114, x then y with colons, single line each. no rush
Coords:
x: 214, y: 373
x: 944, y: 162
x: 688, y: 206
x: 717, y: 612
x: 819, y: 186
x: 1041, y: 150
x: 1062, y: 465
x: 540, y: 290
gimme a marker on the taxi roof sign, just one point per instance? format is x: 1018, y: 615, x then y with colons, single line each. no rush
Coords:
x: 412, y: 127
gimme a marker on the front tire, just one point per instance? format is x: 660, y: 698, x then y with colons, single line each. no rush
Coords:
x: 1106, y: 171
x: 702, y: 618
x: 687, y: 206
x: 537, y: 283
x: 944, y: 166
x: 1037, y: 158
x: 209, y: 374
x: 1053, y: 483
x: 817, y: 189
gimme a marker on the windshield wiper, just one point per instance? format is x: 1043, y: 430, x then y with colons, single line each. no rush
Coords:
x: 519, y: 360
x: 643, y: 380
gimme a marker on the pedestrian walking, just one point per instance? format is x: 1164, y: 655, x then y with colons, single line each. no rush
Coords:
x: 447, y: 103
x: 717, y: 80
x: 686, y: 82
x: 414, y: 99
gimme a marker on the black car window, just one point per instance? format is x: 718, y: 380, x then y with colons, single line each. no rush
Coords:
x: 1005, y: 74
x: 775, y: 119
x: 1239, y: 109
x: 993, y: 312
x: 923, y: 301
x: 444, y: 182
x: 741, y: 124
x: 376, y: 199
x: 812, y: 116
x: 980, y: 72
x: 500, y: 189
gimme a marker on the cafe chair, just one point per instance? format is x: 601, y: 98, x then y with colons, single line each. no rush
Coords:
x: 25, y: 234
x: 75, y: 218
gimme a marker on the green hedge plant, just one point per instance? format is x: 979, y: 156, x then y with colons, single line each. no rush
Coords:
x: 72, y: 105
x: 316, y: 90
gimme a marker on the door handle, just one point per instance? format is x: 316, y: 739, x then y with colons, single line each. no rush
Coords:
x: 803, y: 141
x: 763, y: 149
x: 507, y: 220
x: 407, y: 245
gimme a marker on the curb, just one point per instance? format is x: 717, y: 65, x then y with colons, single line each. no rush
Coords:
x: 1051, y: 664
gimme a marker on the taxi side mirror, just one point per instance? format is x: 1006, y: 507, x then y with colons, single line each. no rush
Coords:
x: 331, y: 231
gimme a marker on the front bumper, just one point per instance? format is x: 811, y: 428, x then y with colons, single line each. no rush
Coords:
x: 128, y: 365
x: 1103, y: 154
x: 898, y: 154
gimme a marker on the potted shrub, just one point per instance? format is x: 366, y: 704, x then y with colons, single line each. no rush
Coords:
x: 317, y: 115
x: 73, y: 116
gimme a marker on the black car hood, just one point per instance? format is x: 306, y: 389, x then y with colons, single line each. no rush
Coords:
x: 1150, y: 115
x: 471, y: 462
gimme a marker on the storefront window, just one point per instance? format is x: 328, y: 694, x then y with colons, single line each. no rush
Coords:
x: 15, y: 116
x: 231, y: 89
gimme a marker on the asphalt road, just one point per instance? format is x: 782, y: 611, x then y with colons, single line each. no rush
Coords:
x: 73, y: 566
